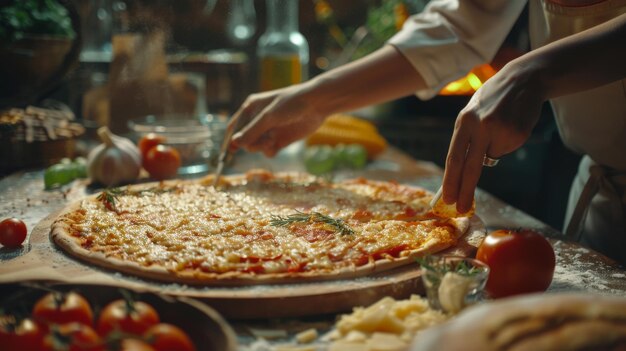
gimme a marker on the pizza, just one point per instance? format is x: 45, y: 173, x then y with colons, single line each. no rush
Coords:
x: 258, y: 227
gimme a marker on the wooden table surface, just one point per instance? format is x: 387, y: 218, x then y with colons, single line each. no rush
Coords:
x: 578, y: 269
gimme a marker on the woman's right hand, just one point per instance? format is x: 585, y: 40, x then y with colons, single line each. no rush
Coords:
x: 271, y: 120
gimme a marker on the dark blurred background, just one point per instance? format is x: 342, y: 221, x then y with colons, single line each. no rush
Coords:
x: 202, y: 52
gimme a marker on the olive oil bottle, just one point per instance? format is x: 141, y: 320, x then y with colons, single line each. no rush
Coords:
x: 282, y: 51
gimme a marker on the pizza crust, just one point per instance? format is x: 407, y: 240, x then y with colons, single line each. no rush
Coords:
x: 61, y: 229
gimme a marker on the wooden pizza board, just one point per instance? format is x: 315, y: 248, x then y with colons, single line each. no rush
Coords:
x: 46, y: 262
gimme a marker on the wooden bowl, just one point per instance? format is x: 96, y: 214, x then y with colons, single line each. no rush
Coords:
x: 206, y: 328
x: 34, y: 65
x: 29, y: 63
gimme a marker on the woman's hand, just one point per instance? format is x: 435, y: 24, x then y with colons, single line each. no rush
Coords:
x: 500, y: 116
x: 272, y: 120
x: 497, y: 120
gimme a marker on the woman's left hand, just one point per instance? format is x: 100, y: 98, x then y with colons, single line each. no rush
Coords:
x: 498, y: 119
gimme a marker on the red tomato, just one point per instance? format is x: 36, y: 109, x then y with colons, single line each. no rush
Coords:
x: 149, y: 141
x: 162, y: 162
x: 26, y: 335
x: 72, y: 337
x: 12, y: 232
x: 134, y: 345
x: 63, y: 308
x: 520, y: 261
x: 167, y: 337
x: 133, y: 317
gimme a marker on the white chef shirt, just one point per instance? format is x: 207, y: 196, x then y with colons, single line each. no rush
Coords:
x: 450, y: 37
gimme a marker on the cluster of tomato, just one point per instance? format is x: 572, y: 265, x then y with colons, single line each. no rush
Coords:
x: 159, y: 160
x: 65, y: 322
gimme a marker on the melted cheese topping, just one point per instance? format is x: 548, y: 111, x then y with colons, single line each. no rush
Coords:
x: 198, y: 227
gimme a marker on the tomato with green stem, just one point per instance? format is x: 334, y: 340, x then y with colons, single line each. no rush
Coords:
x: 72, y: 337
x: 62, y: 308
x: 127, y: 316
x: 24, y: 334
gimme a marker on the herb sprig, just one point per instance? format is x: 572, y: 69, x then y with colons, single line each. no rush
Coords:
x: 441, y: 268
x: 110, y: 196
x: 316, y: 217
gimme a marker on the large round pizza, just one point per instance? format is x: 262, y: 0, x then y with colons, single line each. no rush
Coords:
x: 260, y: 227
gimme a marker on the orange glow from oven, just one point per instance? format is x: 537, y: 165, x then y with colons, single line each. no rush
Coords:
x: 471, y: 82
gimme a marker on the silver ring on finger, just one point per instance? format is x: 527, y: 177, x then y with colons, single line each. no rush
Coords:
x: 490, y: 162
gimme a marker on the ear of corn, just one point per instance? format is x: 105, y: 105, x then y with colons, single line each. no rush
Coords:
x: 349, y: 122
x: 345, y: 129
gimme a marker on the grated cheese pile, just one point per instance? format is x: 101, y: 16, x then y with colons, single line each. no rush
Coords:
x: 388, y: 325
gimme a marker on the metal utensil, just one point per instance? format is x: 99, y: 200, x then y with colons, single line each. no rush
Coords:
x: 220, y: 168
x: 222, y: 159
x: 224, y: 152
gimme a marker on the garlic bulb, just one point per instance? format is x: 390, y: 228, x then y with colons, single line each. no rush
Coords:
x: 116, y: 161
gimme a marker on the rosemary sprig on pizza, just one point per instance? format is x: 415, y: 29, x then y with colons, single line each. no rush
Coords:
x: 256, y: 228
x: 315, y: 217
x: 109, y: 196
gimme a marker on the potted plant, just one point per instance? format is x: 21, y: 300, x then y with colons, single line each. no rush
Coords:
x: 38, y: 44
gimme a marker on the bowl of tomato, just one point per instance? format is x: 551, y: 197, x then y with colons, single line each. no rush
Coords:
x: 195, y: 139
x: 104, y: 318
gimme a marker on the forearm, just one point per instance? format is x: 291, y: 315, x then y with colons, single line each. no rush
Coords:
x: 583, y: 61
x: 382, y: 76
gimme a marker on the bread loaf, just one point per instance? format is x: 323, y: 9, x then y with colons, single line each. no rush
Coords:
x: 538, y: 322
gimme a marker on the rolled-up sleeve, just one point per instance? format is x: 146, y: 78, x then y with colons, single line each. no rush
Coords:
x: 449, y: 38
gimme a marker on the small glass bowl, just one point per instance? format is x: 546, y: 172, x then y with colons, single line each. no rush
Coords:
x: 196, y: 139
x: 453, y: 282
